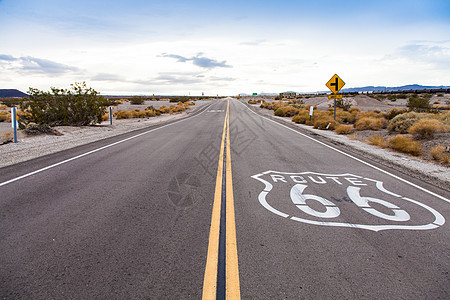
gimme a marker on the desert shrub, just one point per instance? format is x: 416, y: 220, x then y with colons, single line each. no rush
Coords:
x: 164, y: 109
x: 286, y: 111
x: 6, y: 137
x: 325, y: 123
x: 180, y: 99
x: 77, y: 106
x: 445, y: 159
x: 437, y: 152
x: 444, y: 118
x: 5, y: 116
x: 37, y: 129
x: 124, y: 114
x: 345, y: 117
x: 279, y: 112
x: 419, y: 104
x: 393, y: 112
x: 301, y: 117
x: 426, y: 128
x: 372, y: 114
x: 405, y: 144
x: 3, y: 107
x: 136, y: 100
x: 377, y: 140
x: 344, y: 129
x: 252, y: 102
x: 370, y: 123
x: 308, y: 107
x: 401, y: 123
x: 11, y: 102
x: 354, y: 110
x: 105, y: 117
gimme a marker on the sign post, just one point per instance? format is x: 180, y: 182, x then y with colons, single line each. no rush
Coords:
x: 335, y: 84
x: 110, y: 115
x: 14, y: 122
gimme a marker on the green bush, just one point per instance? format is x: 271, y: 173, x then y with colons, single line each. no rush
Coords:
x: 419, y: 104
x: 401, y: 123
x: 77, y: 106
x: 136, y: 100
x: 345, y: 104
x: 180, y: 99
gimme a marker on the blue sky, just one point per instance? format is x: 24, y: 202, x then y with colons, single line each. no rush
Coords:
x: 222, y: 47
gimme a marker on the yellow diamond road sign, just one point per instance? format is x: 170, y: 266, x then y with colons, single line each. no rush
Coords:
x: 335, y: 84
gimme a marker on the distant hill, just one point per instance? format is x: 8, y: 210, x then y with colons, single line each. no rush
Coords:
x: 410, y: 87
x: 11, y: 93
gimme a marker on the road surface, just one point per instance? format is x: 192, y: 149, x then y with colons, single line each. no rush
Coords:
x: 224, y: 203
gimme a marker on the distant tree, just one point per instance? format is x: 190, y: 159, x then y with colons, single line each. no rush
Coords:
x: 180, y: 99
x: 136, y: 100
x: 77, y: 106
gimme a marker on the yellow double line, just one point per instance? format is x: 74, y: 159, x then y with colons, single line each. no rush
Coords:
x: 232, y: 290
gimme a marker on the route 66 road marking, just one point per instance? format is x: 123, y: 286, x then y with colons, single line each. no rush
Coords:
x: 381, y: 208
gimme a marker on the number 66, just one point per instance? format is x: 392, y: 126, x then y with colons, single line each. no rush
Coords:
x: 332, y: 211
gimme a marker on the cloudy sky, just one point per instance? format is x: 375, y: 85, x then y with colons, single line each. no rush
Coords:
x: 222, y: 47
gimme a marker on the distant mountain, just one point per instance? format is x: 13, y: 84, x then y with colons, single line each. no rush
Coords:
x: 410, y: 87
x: 11, y: 93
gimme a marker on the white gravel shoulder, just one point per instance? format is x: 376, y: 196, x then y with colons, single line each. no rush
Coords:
x: 31, y: 147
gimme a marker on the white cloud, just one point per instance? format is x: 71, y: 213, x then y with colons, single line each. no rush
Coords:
x: 32, y: 65
x: 199, y: 61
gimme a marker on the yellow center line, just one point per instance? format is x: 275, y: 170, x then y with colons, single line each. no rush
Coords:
x: 232, y: 271
x: 232, y: 289
x: 210, y: 279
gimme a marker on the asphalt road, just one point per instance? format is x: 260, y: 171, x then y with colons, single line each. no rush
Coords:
x: 132, y: 217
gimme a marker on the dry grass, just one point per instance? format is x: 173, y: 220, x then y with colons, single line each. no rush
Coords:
x: 405, y: 144
x: 426, y: 128
x: 345, y: 117
x: 164, y: 109
x: 150, y: 112
x: 3, y: 107
x: 439, y: 154
x: 344, y: 129
x: 301, y: 118
x: 393, y: 112
x: 370, y: 123
x: 105, y: 117
x: 377, y: 140
x: 326, y: 124
x: 436, y: 152
x: 5, y: 116
x: 354, y: 110
x: 286, y: 111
